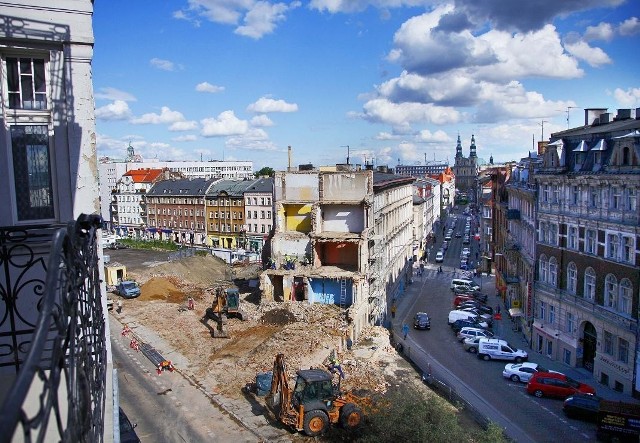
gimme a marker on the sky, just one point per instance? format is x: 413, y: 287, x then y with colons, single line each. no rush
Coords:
x: 385, y: 82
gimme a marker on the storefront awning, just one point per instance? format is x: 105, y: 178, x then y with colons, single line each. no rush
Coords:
x: 515, y: 312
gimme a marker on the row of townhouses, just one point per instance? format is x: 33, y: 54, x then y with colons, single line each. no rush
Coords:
x: 562, y: 227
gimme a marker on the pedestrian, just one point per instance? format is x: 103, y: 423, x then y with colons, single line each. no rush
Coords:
x: 498, y: 309
x: 405, y: 330
x: 191, y: 303
x: 334, y: 366
x: 119, y: 307
x: 393, y: 310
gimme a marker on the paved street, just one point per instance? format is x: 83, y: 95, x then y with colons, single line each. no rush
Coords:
x: 525, y: 417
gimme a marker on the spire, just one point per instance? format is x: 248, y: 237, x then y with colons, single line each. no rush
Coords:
x: 130, y: 152
x: 459, y: 148
x: 472, y: 150
x: 491, y: 159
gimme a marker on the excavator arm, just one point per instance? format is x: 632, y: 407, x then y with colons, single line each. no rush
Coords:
x: 280, y: 394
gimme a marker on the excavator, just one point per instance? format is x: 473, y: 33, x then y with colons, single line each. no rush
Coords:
x: 314, y: 403
x: 226, y: 303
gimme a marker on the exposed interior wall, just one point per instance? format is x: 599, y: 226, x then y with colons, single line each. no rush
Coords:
x: 338, y: 254
x: 342, y: 218
x: 296, y: 186
x: 347, y: 186
x: 297, y: 217
x: 327, y: 291
x: 293, y: 247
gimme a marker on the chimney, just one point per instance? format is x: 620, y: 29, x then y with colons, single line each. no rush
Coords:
x: 591, y: 115
x: 623, y: 114
x: 289, y: 154
x: 605, y: 117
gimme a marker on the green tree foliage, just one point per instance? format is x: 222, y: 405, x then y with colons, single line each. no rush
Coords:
x: 266, y: 171
x: 407, y: 417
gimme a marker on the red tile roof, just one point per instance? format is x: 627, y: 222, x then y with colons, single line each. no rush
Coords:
x: 144, y: 175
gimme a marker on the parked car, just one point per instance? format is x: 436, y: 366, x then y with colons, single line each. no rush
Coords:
x: 458, y: 234
x: 459, y: 324
x: 447, y: 236
x: 461, y: 298
x: 556, y: 385
x: 476, y: 295
x: 471, y: 344
x: 523, y: 371
x: 496, y: 349
x: 483, y: 315
x: 468, y: 332
x: 466, y: 240
x: 118, y: 245
x: 439, y: 257
x: 422, y: 321
x: 582, y: 406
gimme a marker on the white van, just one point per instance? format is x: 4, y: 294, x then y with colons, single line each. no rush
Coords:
x: 496, y: 349
x: 461, y: 315
x: 463, y: 283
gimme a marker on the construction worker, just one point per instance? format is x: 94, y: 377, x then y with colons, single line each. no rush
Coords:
x: 191, y: 303
x: 119, y: 307
x: 335, y: 366
x: 393, y: 310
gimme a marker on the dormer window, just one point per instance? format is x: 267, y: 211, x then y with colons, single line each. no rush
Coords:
x: 626, y: 156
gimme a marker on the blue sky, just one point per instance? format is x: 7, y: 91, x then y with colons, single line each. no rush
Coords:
x: 395, y: 80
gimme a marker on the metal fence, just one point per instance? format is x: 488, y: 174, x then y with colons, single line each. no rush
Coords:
x: 182, y: 253
x: 65, y: 345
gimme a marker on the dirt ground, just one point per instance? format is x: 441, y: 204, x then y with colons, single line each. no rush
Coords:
x: 305, y: 334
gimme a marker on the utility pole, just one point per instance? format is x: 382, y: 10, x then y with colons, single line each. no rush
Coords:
x: 542, y: 133
x: 568, y: 109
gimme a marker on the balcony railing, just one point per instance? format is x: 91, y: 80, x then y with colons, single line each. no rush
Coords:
x: 52, y: 333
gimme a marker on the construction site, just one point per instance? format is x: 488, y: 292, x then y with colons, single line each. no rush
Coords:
x: 228, y: 364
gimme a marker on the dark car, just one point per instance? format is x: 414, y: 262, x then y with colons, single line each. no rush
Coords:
x: 127, y: 433
x: 582, y: 406
x: 118, y: 245
x: 475, y: 294
x: 422, y: 321
x: 457, y: 325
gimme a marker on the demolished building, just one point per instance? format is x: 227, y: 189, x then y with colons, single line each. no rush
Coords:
x: 341, y: 237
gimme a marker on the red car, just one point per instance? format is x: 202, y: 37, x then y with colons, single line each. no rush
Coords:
x: 556, y: 385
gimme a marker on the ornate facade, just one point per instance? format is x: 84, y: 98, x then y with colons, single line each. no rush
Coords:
x: 466, y: 168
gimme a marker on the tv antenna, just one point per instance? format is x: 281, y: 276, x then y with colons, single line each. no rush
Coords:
x: 542, y: 133
x: 569, y: 108
x: 346, y: 146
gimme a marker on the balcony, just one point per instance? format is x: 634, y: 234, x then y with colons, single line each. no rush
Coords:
x: 53, y: 363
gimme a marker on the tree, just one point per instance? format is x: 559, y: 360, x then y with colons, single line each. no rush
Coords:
x: 269, y: 172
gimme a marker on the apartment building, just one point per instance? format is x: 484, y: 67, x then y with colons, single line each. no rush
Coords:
x: 341, y: 237
x: 176, y: 210
x: 128, y: 205
x: 259, y: 210
x: 587, y: 281
x: 111, y: 171
x: 56, y: 363
x: 520, y: 241
x: 226, y: 226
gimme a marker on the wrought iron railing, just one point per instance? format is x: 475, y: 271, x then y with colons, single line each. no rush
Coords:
x: 60, y: 357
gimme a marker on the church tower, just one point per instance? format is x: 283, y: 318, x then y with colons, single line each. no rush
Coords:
x: 472, y: 150
x: 459, y: 148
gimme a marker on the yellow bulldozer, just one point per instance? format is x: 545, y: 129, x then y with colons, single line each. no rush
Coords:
x: 226, y: 303
x: 314, y: 403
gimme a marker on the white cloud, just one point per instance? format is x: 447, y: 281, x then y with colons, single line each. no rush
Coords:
x: 400, y: 115
x: 255, y: 139
x: 166, y: 116
x: 225, y: 124
x: 265, y: 105
x: 114, y: 94
x: 118, y: 110
x: 629, y: 98
x: 183, y: 126
x: 261, y: 19
x: 630, y: 26
x: 593, y: 56
x: 603, y: 31
x: 164, y: 65
x: 185, y: 138
x: 208, y: 87
x: 261, y: 120
x: 385, y: 136
x: 426, y: 136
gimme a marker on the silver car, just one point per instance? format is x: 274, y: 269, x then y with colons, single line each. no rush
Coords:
x: 471, y: 344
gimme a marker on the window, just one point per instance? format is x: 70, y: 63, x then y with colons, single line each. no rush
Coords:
x: 553, y: 234
x: 570, y: 322
x: 628, y: 249
x: 572, y: 278
x: 594, y: 197
x: 543, y: 310
x: 556, y: 194
x: 597, y: 157
x: 32, y: 172
x: 575, y: 195
x: 26, y: 83
x: 608, y: 343
x: 262, y: 228
x: 623, y: 350
x: 590, y: 284
x: 553, y: 271
x: 545, y: 193
x: 572, y: 240
x: 544, y: 268
x: 624, y: 299
x: 631, y: 199
x: 566, y: 357
x: 616, y: 198
x: 549, y: 347
x: 590, y: 241
x: 610, y: 291
x: 613, y: 246
x: 552, y: 314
